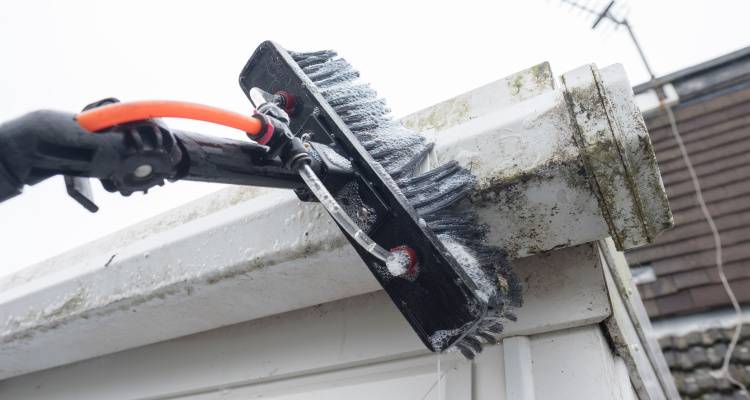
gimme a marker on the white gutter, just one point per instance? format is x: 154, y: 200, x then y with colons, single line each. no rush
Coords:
x: 234, y: 256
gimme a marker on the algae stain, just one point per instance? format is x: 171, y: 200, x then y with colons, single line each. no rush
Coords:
x: 516, y: 85
x: 542, y: 75
x: 70, y: 305
x: 441, y: 116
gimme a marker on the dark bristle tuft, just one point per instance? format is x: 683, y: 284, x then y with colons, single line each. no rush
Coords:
x: 436, y: 195
x: 495, y: 328
x: 465, y: 351
x: 473, y: 343
x: 487, y: 337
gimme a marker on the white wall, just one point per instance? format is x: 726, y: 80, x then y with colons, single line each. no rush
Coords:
x: 355, y: 348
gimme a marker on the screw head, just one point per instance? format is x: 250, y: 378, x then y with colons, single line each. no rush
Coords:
x: 143, y: 171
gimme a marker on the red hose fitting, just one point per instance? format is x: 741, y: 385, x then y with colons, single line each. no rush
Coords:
x: 411, y: 264
x: 289, y: 101
x: 266, y: 130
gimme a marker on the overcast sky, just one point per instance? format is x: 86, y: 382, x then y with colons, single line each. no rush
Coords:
x: 65, y: 54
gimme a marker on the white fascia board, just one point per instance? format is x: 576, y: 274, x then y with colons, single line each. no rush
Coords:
x: 326, y: 346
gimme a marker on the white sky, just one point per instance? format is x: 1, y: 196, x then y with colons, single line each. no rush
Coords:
x: 65, y: 54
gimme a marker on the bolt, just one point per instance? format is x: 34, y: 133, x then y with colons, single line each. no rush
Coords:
x: 286, y: 101
x: 403, y: 262
x: 143, y: 171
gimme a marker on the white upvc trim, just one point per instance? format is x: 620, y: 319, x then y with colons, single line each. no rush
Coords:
x: 519, y: 373
x: 630, y: 330
x: 347, y: 343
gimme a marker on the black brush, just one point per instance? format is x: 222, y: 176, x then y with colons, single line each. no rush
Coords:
x: 462, y: 290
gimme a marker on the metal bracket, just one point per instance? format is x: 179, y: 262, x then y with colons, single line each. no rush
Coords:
x: 80, y: 190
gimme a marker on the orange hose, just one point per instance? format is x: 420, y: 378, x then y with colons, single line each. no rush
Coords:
x: 110, y: 115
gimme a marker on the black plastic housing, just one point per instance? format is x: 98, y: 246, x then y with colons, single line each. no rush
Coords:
x: 221, y: 160
x: 442, y: 299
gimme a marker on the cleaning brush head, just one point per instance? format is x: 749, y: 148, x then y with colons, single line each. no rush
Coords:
x: 462, y: 289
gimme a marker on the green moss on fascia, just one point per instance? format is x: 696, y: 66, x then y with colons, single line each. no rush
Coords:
x: 492, y: 188
x: 441, y: 116
x: 516, y: 84
x: 70, y: 305
x: 254, y: 264
x: 542, y: 75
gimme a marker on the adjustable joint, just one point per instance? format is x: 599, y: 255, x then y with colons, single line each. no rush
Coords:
x: 275, y: 134
x: 274, y: 111
x: 274, y: 129
x: 295, y: 154
x: 151, y: 156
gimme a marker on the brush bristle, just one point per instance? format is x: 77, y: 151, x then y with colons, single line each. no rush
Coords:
x: 436, y: 195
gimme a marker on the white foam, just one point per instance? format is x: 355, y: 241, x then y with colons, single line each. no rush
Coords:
x: 439, y: 339
x: 337, y: 158
x: 397, y: 263
x: 472, y: 267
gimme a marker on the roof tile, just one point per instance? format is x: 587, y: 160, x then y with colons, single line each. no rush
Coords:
x: 705, y: 381
x: 666, y: 342
x: 695, y: 358
x: 694, y: 338
x: 714, y: 357
x: 717, y: 335
x: 698, y: 356
x: 742, y: 354
x: 651, y: 307
x: 675, y: 303
x: 714, y: 126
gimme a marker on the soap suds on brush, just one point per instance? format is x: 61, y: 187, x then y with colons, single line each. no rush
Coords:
x: 397, y: 263
x: 337, y: 158
x: 440, y: 339
x: 435, y: 195
x: 471, y: 266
